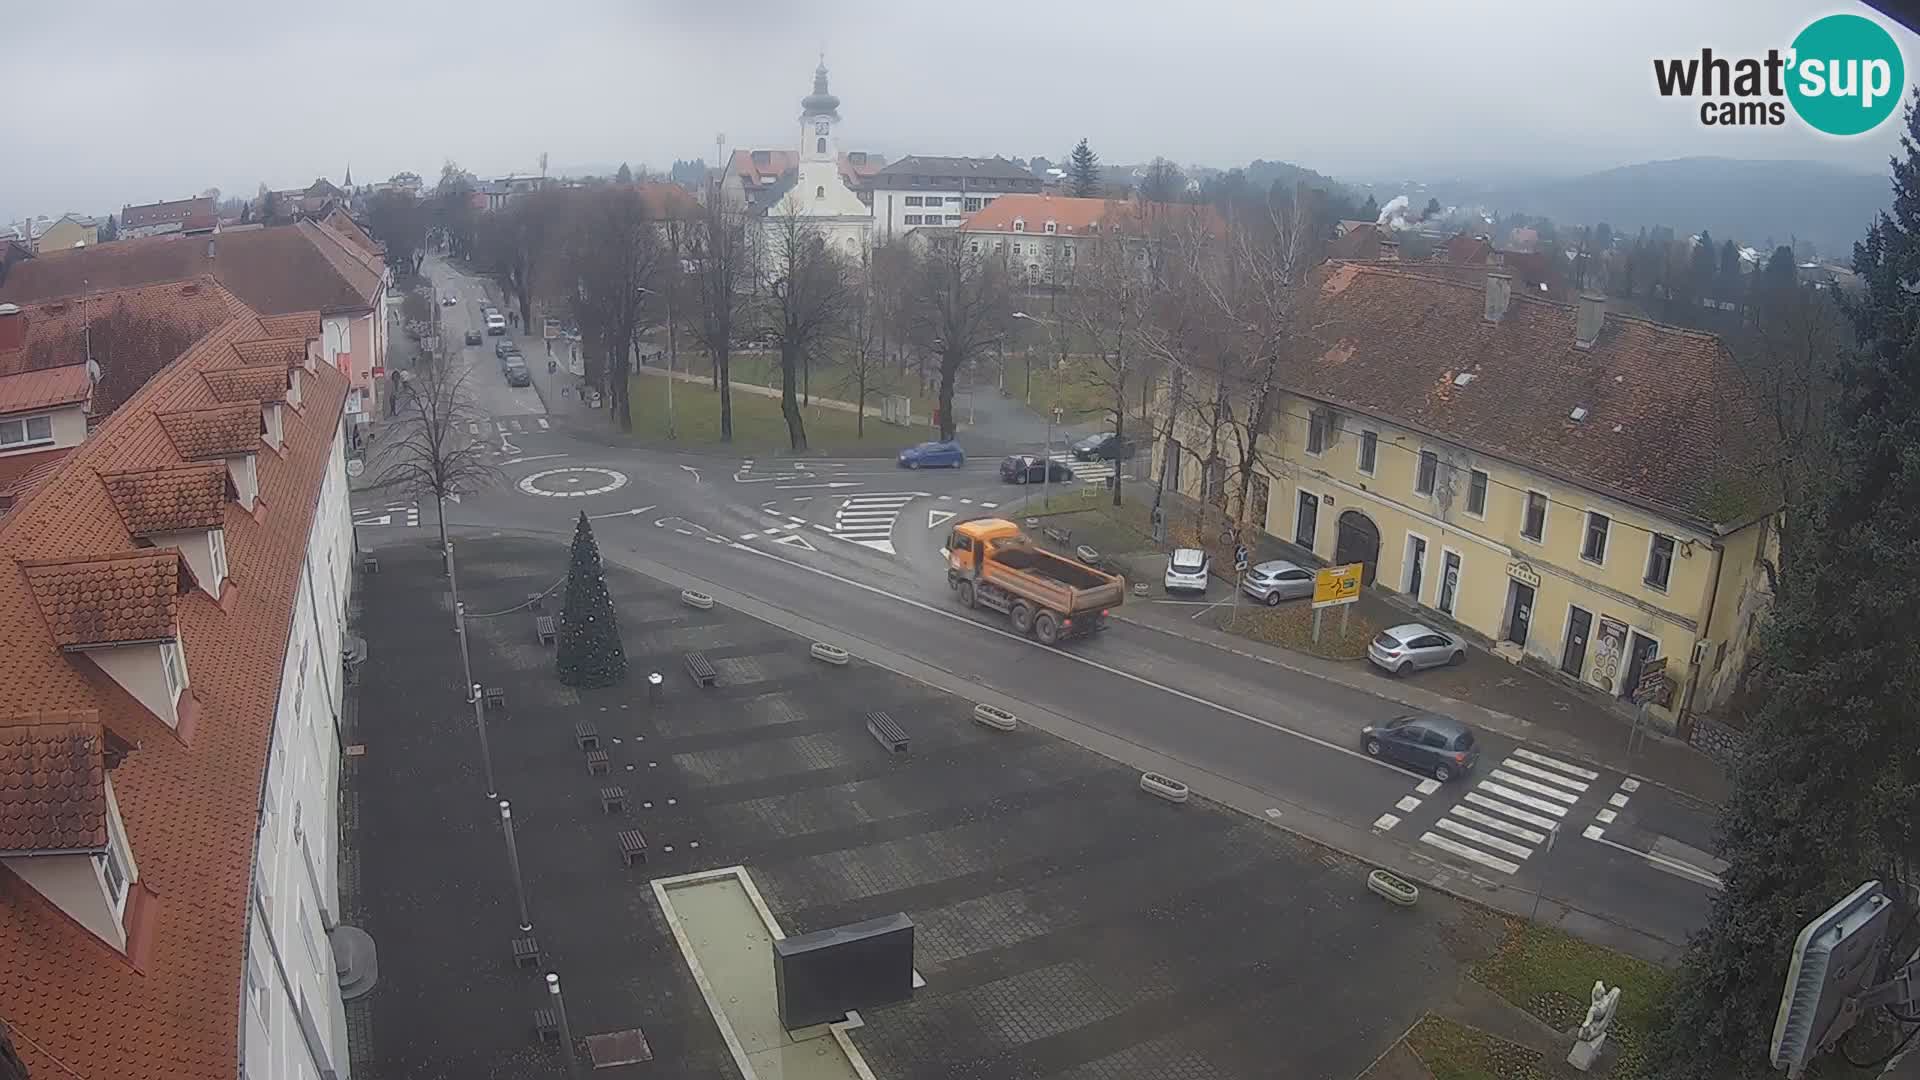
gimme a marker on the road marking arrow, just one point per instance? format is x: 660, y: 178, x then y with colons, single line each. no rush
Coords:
x: 937, y: 518
x: 382, y: 519
x: 806, y: 487
x: 796, y: 540
x: 620, y: 513
x: 694, y: 471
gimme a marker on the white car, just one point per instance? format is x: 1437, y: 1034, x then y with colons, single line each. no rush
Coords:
x: 1188, y: 570
x: 449, y: 300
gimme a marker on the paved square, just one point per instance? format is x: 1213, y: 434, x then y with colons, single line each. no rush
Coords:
x: 1068, y: 925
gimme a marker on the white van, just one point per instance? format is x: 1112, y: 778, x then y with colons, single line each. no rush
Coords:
x: 496, y: 323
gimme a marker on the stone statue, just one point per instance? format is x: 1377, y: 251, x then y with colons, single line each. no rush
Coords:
x: 1591, y: 1036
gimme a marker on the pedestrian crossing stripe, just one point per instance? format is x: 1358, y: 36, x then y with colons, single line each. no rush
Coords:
x: 1589, y: 775
x: 1089, y: 472
x: 1510, y: 813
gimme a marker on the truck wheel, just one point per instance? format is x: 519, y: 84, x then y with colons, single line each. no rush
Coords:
x: 1022, y: 618
x: 1046, y: 628
x: 966, y: 594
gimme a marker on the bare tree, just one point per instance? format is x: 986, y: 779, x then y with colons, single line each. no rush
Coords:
x: 613, y: 257
x: 863, y: 338
x: 1112, y: 313
x: 718, y: 259
x: 1186, y: 337
x: 428, y: 450
x: 961, y: 310
x: 516, y: 244
x: 810, y: 298
x: 399, y: 221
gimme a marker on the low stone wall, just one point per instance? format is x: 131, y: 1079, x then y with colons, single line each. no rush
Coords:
x: 1716, y: 739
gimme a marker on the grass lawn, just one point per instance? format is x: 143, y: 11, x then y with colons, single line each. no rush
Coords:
x: 1453, y: 1051
x: 1072, y: 388
x: 1290, y: 626
x: 758, y: 426
x: 1550, y: 974
x: 830, y: 379
x: 1095, y: 521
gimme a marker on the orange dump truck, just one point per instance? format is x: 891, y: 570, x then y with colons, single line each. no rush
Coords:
x: 992, y: 564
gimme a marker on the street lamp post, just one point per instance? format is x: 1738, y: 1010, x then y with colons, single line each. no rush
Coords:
x: 513, y: 865
x: 466, y: 669
x: 566, y: 1029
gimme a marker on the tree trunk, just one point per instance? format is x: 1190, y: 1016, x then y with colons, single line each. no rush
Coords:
x: 947, y: 372
x: 860, y: 405
x: 1175, y: 392
x: 790, y: 402
x: 723, y: 382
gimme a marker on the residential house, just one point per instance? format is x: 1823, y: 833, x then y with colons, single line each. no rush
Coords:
x: 56, y: 234
x: 178, y: 215
x: 278, y: 270
x: 918, y: 190
x: 1578, y: 486
x: 492, y: 195
x: 175, y: 606
x: 1041, y: 237
x: 316, y: 200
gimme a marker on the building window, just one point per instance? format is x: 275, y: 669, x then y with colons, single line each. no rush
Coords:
x: 1369, y: 451
x: 999, y: 246
x: 116, y: 875
x: 174, y: 666
x: 820, y: 192
x: 1660, y: 561
x: 1477, y: 494
x: 913, y: 200
x: 819, y: 146
x: 953, y: 219
x: 1534, y: 525
x: 217, y: 547
x: 973, y: 204
x: 1594, y: 547
x: 1052, y: 228
x: 1429, y: 473
x: 1316, y: 432
x: 25, y: 431
x: 1019, y: 225
x: 1449, y: 582
x: 912, y: 219
x: 973, y: 247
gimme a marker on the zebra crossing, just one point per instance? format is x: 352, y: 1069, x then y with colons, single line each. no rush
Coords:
x: 1087, y: 472
x: 868, y: 520
x: 508, y: 425
x: 406, y: 515
x: 1514, y: 811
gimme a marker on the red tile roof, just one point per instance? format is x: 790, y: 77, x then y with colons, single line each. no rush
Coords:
x: 1072, y: 216
x: 1669, y: 424
x: 15, y: 466
x: 169, y: 498
x: 254, y: 382
x: 300, y: 324
x: 53, y: 785
x: 69, y: 385
x: 220, y: 432
x: 191, y: 812
x: 162, y: 213
x: 286, y: 352
x: 341, y: 222
x: 360, y: 269
x: 1464, y: 250
x: 114, y: 599
x: 276, y: 270
x: 21, y: 482
x: 763, y: 169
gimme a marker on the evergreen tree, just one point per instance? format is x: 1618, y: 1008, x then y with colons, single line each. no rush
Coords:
x: 1084, y: 172
x: 1781, y: 268
x: 1369, y: 210
x: 1827, y: 791
x: 625, y: 175
x: 589, y: 654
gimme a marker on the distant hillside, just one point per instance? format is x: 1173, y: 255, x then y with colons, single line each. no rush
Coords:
x: 1749, y: 201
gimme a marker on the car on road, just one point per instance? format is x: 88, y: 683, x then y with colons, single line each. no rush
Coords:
x: 1277, y: 580
x: 1189, y: 570
x: 1414, y: 646
x: 449, y: 300
x: 473, y: 337
x: 933, y: 455
x: 496, y: 323
x: 505, y: 347
x: 1033, y: 469
x: 1428, y: 743
x: 515, y: 369
x: 1105, y: 446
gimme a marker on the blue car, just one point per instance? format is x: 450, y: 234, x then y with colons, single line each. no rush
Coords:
x: 931, y: 455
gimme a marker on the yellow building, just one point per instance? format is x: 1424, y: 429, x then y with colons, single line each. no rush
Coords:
x: 70, y: 230
x: 1573, y: 486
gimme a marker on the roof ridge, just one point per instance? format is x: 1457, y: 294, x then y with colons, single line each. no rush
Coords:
x: 123, y: 555
x: 1417, y: 270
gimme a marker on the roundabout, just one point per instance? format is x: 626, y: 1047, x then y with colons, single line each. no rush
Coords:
x: 572, y: 482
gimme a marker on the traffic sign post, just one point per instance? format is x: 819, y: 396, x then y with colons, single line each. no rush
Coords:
x: 1335, y: 586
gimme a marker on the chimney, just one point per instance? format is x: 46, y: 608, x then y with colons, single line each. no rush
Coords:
x: 210, y: 240
x: 1587, y: 323
x: 1389, y: 251
x: 13, y: 327
x: 1499, y: 293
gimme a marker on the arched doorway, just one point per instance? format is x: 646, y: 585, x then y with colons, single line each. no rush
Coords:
x: 1358, y: 542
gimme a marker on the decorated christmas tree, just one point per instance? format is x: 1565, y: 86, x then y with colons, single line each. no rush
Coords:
x: 590, y: 654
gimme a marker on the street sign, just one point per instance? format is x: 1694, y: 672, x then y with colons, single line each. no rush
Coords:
x: 1240, y: 558
x: 356, y: 466
x: 1337, y: 585
x: 1653, y: 681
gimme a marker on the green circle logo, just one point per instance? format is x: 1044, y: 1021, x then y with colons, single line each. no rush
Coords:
x: 1847, y: 74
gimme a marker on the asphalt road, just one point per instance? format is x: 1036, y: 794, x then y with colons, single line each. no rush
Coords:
x: 806, y: 539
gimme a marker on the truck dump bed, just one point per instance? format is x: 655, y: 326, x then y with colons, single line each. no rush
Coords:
x: 1057, y: 581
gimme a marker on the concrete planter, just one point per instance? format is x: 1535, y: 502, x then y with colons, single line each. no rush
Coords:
x: 1033, y: 523
x: 832, y: 654
x: 998, y: 719
x: 1164, y: 787
x: 1087, y: 555
x: 1140, y: 588
x: 1395, y: 888
x: 696, y: 599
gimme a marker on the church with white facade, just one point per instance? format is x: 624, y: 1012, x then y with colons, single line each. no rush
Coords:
x: 816, y: 182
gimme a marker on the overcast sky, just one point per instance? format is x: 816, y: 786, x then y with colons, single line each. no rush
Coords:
x: 118, y: 101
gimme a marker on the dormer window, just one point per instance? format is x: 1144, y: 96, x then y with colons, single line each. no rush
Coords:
x: 1051, y: 228
x: 312, y: 361
x: 294, y: 387
x: 217, y: 558
x: 1019, y: 225
x: 173, y: 663
x: 244, y: 477
x: 272, y: 424
x: 77, y: 857
x: 18, y: 433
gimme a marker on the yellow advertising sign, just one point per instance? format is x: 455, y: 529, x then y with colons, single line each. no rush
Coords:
x: 1337, y: 585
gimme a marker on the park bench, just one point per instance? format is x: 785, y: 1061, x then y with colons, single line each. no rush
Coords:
x: 613, y: 800
x: 535, y: 599
x: 632, y: 846
x: 546, y: 1026
x: 526, y: 952
x: 702, y: 669
x: 586, y: 735
x: 1063, y: 537
x: 597, y: 764
x: 887, y: 731
x: 544, y: 629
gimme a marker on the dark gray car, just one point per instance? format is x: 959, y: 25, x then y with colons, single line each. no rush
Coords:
x: 1428, y: 743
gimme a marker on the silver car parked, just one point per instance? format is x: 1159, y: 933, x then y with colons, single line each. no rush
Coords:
x: 1414, y: 646
x: 1272, y: 582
